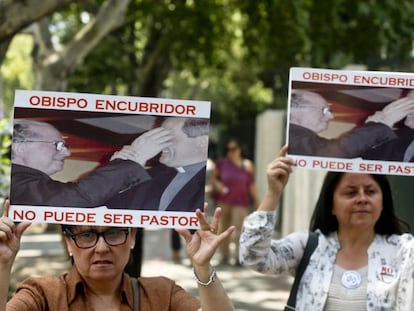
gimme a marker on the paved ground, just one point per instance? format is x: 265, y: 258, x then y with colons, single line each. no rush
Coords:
x: 43, y: 254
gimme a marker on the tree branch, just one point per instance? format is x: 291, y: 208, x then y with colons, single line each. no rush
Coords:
x: 15, y: 15
x: 111, y: 15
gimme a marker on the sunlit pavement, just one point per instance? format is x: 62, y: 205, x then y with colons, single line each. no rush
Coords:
x: 43, y: 254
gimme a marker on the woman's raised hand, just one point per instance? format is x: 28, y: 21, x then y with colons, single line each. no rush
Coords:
x: 10, y: 235
x: 202, y: 245
x: 278, y: 171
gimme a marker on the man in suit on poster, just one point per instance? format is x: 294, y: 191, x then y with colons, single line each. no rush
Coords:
x: 39, y: 150
x: 400, y: 149
x: 178, y: 180
x: 310, y: 114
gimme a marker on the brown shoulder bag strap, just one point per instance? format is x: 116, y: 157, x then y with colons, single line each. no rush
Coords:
x: 135, y: 290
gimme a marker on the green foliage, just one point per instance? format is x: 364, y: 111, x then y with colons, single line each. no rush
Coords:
x: 5, y: 161
x: 199, y: 45
x: 176, y: 35
x: 371, y: 32
x: 235, y: 53
x: 327, y: 34
x: 17, y: 70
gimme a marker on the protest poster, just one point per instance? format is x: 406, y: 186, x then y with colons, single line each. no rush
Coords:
x: 94, y: 159
x: 351, y: 121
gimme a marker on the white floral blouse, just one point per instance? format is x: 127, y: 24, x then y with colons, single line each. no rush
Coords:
x: 390, y: 264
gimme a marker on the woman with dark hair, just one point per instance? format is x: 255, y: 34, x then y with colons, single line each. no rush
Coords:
x: 323, y: 219
x: 234, y: 191
x: 363, y: 259
x: 96, y: 280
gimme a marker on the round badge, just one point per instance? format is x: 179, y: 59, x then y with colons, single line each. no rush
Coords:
x: 351, y: 279
x: 386, y: 274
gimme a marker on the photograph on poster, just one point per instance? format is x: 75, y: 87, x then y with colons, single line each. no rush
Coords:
x: 101, y: 159
x: 352, y: 121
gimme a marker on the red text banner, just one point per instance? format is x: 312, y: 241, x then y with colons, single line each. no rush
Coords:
x: 101, y: 216
x: 353, y: 166
x: 111, y: 103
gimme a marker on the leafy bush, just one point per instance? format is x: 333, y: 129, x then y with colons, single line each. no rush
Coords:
x: 5, y: 152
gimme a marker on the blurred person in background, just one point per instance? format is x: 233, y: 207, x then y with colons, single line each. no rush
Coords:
x: 234, y: 191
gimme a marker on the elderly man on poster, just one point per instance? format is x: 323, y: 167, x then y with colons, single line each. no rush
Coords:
x: 39, y: 150
x: 178, y: 180
x: 310, y: 114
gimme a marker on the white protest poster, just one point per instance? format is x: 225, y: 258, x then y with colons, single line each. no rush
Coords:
x: 351, y: 121
x: 93, y: 159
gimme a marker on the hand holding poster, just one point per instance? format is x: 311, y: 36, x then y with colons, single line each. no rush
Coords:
x: 108, y: 160
x: 351, y: 121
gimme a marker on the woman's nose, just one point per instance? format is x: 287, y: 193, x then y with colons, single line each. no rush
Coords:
x: 101, y: 245
x: 362, y: 195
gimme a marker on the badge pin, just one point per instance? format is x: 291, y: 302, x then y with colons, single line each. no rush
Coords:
x: 351, y: 279
x: 386, y: 274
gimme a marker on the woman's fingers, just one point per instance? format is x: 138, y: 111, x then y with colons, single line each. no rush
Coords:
x: 283, y: 151
x: 7, y: 226
x: 204, y: 225
x: 21, y: 227
x: 185, y: 234
x: 225, y: 234
x: 215, y: 221
x: 6, y: 207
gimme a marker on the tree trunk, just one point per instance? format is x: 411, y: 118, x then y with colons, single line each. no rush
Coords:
x: 54, y: 67
x: 16, y: 15
x: 155, y: 66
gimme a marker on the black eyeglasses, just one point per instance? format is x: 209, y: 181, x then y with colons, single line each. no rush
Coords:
x: 88, y: 239
x: 59, y: 144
